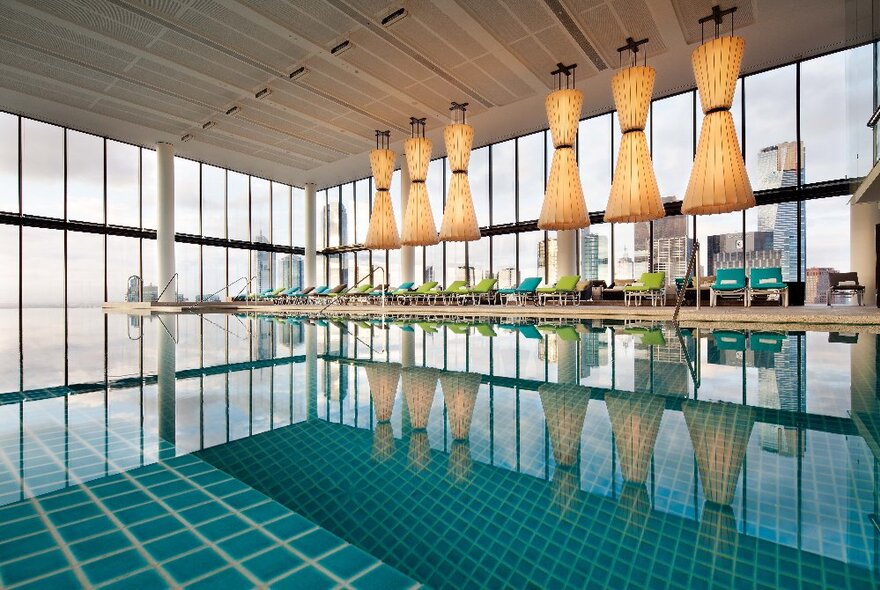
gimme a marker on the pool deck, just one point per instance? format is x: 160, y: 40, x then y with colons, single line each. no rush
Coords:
x: 813, y: 317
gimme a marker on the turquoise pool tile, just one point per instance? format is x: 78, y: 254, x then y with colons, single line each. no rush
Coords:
x: 240, y: 546
x: 186, y: 499
x: 17, y: 511
x: 272, y: 563
x: 173, y: 545
x: 157, y: 527
x: 226, y: 488
x: 202, y: 512
x: 223, y: 527
x: 62, y: 517
x: 61, y: 580
x: 266, y: 512
x: 126, y: 500
x: 114, y: 566
x: 141, y: 513
x: 305, y: 578
x: 86, y: 528
x: 228, y: 579
x: 65, y: 500
x: 244, y: 499
x: 99, y: 546
x: 193, y: 565
x: 170, y: 488
x: 146, y: 580
x: 317, y: 543
x: 16, y: 572
x: 21, y: 527
x: 290, y: 526
x: 348, y: 562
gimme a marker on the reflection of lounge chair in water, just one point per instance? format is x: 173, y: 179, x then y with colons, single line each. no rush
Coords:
x: 767, y: 341
x: 729, y: 340
x: 648, y: 336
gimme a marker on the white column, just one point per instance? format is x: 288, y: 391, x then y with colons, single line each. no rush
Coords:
x: 566, y: 256
x: 309, y: 264
x: 407, y: 253
x: 864, y: 218
x: 165, y: 220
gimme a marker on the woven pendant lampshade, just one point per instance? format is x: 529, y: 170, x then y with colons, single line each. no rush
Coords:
x: 382, y: 229
x: 635, y: 422
x: 382, y: 379
x: 418, y: 219
x: 565, y: 407
x: 460, y: 392
x: 459, y: 218
x: 419, y: 385
x: 634, y: 192
x: 719, y: 182
x: 720, y: 435
x: 564, y: 206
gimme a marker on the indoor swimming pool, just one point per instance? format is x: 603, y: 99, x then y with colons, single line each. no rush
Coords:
x: 283, y: 451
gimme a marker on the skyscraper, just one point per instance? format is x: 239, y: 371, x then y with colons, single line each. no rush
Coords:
x: 818, y: 283
x: 671, y: 245
x: 291, y: 270
x: 594, y: 255
x: 547, y: 266
x: 261, y: 265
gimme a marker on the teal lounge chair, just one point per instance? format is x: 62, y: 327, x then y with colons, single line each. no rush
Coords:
x: 313, y: 296
x: 563, y: 290
x: 521, y: 294
x: 729, y: 283
x: 403, y: 288
x: 767, y: 282
x: 651, y: 285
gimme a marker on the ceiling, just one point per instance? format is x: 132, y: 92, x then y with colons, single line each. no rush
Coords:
x: 159, y: 70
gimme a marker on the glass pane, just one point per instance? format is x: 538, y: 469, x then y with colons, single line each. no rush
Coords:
x: 43, y: 301
x: 531, y: 254
x: 213, y: 201
x: 363, y: 267
x: 672, y: 144
x: 148, y: 187
x: 395, y: 198
x: 298, y: 217
x: 214, y: 273
x: 123, y: 263
x: 8, y: 162
x: 437, y: 183
x: 478, y: 259
x: 9, y: 373
x: 261, y: 267
x: 362, y: 209
x: 346, y: 215
x: 594, y: 160
x: 721, y: 241
x: 280, y: 214
x: 186, y: 196
x: 826, y: 221
x: 456, y: 265
x: 239, y: 207
x: 434, y: 264
x: 672, y: 245
x: 595, y: 250
x: 771, y: 134
x: 478, y: 176
x: 771, y: 238
x: 123, y: 184
x: 85, y: 270
x: 42, y: 168
x: 504, y: 261
x: 239, y: 271
x: 261, y: 211
x: 531, y: 168
x: 85, y: 177
x: 860, y: 95
x: 186, y: 257
x: 504, y: 182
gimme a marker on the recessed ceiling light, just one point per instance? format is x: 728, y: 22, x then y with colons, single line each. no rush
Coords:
x: 263, y: 93
x: 233, y: 110
x: 341, y: 48
x: 208, y: 124
x: 298, y: 73
x: 395, y: 16
x: 186, y: 137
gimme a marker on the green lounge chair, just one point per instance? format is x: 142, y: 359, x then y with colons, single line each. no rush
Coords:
x: 415, y: 296
x: 403, y: 288
x: 651, y: 285
x: 729, y: 283
x: 563, y: 290
x: 767, y: 282
x: 481, y: 293
x: 522, y: 293
x: 354, y: 293
x: 449, y: 293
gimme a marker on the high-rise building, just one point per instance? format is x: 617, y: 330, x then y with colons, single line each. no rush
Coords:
x: 507, y: 278
x: 547, y: 265
x: 671, y: 244
x: 818, y: 283
x: 261, y: 265
x: 594, y: 255
x: 778, y: 168
x: 291, y: 270
x: 730, y: 251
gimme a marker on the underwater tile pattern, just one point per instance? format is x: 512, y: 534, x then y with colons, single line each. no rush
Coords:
x: 178, y: 523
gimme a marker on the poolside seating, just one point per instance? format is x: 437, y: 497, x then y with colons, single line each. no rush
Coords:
x: 314, y: 295
x: 522, y: 293
x: 649, y: 336
x: 486, y: 330
x: 729, y: 283
x: 729, y: 340
x: 299, y: 297
x: 563, y: 291
x: 845, y: 283
x: 390, y: 293
x: 767, y: 341
x: 417, y: 295
x: 651, y: 286
x: 767, y: 283
x: 354, y: 293
x: 839, y: 338
x: 449, y: 293
x: 482, y: 293
x: 252, y: 296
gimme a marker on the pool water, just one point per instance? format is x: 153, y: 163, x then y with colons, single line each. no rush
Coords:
x: 297, y: 452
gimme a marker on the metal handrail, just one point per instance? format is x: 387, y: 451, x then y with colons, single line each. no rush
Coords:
x: 229, y: 285
x: 140, y: 286
x: 168, y: 284
x: 694, y: 377
x: 692, y: 265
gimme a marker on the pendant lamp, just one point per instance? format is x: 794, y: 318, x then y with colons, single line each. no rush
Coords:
x: 719, y: 182
x: 459, y: 218
x: 564, y: 206
x: 418, y: 219
x: 634, y: 192
x: 382, y: 230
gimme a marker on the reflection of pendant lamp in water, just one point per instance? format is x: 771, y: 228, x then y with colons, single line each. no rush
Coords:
x: 564, y: 206
x: 565, y: 407
x: 459, y: 218
x: 382, y: 230
x: 419, y: 385
x: 635, y: 422
x: 634, y: 192
x: 460, y: 463
x: 719, y: 182
x: 418, y: 219
x: 460, y: 393
x: 383, y: 442
x: 720, y: 434
x: 419, y: 450
x: 382, y: 379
